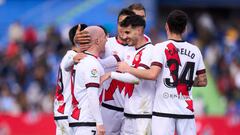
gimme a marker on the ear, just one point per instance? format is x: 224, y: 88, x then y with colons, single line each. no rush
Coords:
x: 97, y: 41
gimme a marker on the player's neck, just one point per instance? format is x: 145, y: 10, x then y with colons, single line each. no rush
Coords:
x: 119, y: 40
x: 141, y: 42
x: 74, y: 48
x: 174, y: 36
x: 93, y: 51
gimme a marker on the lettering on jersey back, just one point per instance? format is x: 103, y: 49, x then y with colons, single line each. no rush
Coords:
x: 182, y: 84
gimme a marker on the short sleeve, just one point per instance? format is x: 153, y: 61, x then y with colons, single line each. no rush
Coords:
x: 146, y: 58
x: 92, y: 76
x: 201, y: 66
x: 157, y: 56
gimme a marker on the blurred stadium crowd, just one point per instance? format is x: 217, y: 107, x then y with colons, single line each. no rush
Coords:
x: 29, y: 64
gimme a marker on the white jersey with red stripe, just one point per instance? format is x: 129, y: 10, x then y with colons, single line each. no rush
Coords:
x: 180, y: 62
x: 139, y: 97
x: 62, y: 101
x: 87, y: 74
x: 113, y: 94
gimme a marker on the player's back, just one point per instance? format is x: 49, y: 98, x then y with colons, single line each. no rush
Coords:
x: 62, y: 102
x: 180, y: 62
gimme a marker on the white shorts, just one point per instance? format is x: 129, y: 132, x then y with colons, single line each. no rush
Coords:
x: 112, y: 121
x: 84, y: 130
x: 137, y: 126
x: 167, y: 126
x: 62, y: 127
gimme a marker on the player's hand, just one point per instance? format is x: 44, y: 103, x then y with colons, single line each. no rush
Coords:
x: 78, y: 57
x: 105, y: 77
x: 123, y: 67
x: 82, y: 37
x: 100, y: 130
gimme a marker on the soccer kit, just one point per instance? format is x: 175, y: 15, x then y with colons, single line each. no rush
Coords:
x: 86, y: 114
x: 113, y: 94
x: 138, y: 97
x: 180, y: 62
x: 62, y: 101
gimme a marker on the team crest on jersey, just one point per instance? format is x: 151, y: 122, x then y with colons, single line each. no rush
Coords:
x: 94, y: 72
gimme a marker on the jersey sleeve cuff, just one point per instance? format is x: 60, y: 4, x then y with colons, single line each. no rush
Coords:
x: 117, y: 58
x: 144, y: 66
x: 201, y: 71
x: 95, y: 85
x: 155, y: 63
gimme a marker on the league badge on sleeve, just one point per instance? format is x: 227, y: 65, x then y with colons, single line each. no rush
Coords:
x: 94, y: 73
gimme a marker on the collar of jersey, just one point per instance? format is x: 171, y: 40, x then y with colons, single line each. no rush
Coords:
x: 119, y: 42
x: 143, y: 46
x: 88, y: 53
x: 177, y: 40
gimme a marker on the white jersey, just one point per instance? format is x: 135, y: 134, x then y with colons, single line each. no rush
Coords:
x: 87, y: 75
x: 114, y: 89
x: 180, y: 62
x: 62, y: 101
x: 139, y: 97
x: 113, y: 94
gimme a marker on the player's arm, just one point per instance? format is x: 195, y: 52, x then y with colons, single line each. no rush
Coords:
x: 148, y: 74
x: 200, y: 80
x: 149, y: 67
x: 124, y: 77
x: 92, y: 77
x: 68, y: 61
x: 110, y: 61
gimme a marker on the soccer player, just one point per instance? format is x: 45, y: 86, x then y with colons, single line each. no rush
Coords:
x: 177, y: 65
x: 62, y: 102
x: 138, y: 9
x: 113, y: 96
x: 139, y: 97
x: 86, y: 117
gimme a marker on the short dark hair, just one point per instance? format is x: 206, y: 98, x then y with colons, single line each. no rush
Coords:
x: 177, y: 21
x: 125, y: 11
x: 73, y: 31
x: 134, y: 21
x: 137, y: 6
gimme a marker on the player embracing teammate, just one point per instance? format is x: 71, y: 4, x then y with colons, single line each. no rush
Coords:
x: 151, y: 91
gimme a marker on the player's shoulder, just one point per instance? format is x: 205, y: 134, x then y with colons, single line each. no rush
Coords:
x: 192, y: 47
x: 148, y: 39
x: 68, y: 56
x: 111, y: 40
x: 149, y: 46
x: 161, y: 44
x: 90, y: 61
x: 70, y: 53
